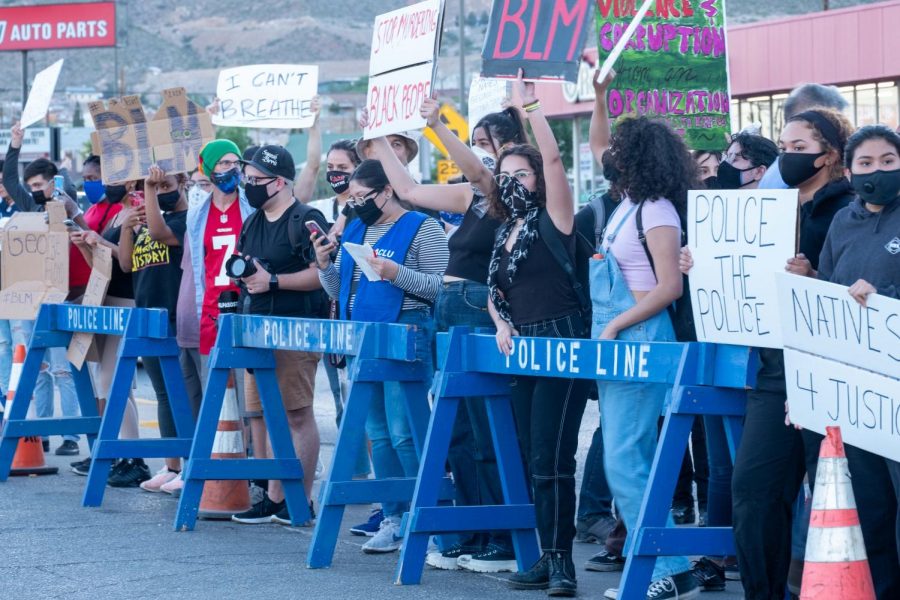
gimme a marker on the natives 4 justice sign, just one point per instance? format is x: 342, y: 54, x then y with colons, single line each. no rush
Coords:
x: 675, y: 66
x: 51, y: 26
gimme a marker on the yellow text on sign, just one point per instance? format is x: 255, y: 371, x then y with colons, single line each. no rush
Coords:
x: 447, y: 170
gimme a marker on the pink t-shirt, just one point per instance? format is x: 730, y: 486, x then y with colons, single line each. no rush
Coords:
x: 627, y: 248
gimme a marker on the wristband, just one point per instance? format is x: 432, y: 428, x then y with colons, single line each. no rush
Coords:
x: 533, y: 106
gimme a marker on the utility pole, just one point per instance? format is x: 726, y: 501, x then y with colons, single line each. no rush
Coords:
x: 462, y: 57
x: 24, y: 78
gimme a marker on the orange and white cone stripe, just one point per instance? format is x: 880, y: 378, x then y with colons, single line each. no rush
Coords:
x: 15, y: 375
x: 836, y: 566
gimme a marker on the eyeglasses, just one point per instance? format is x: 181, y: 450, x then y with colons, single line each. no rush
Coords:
x: 503, y: 179
x: 363, y: 199
x: 228, y: 164
x: 252, y: 180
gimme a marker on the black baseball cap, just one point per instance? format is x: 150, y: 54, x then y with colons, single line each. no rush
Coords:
x: 274, y: 161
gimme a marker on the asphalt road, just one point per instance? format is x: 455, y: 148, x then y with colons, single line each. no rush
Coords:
x: 53, y: 548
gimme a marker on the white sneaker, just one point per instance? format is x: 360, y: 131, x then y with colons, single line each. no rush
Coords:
x: 162, y: 477
x: 174, y: 487
x: 388, y: 538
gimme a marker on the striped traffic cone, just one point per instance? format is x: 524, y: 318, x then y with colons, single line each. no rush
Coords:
x: 29, y: 457
x: 836, y: 566
x: 221, y: 499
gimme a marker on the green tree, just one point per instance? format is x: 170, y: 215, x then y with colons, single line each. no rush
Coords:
x: 238, y: 135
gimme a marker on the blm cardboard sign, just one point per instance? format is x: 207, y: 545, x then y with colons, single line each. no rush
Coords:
x: 274, y: 96
x: 35, y: 262
x: 842, y: 362
x: 128, y: 144
x: 402, y: 63
x: 545, y: 38
x: 94, y: 294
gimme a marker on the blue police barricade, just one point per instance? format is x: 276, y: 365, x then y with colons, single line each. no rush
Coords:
x: 707, y: 379
x: 246, y: 341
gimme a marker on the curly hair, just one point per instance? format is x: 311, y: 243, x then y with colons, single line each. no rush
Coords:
x: 496, y: 208
x: 844, y: 130
x: 760, y: 151
x: 653, y: 162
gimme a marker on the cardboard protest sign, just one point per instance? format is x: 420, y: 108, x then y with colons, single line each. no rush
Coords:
x: 128, y: 144
x: 545, y: 38
x: 739, y: 240
x: 486, y: 96
x: 35, y: 262
x: 675, y: 66
x: 405, y: 43
x: 42, y: 89
x: 271, y: 96
x: 101, y: 273
x: 842, y: 362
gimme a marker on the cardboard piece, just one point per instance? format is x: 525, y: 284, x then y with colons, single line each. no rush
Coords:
x: 674, y: 66
x: 739, y: 240
x: 271, y: 96
x: 405, y: 44
x: 486, y: 96
x: 128, y: 144
x: 42, y: 89
x: 35, y: 262
x: 842, y: 362
x: 81, y: 346
x: 545, y: 38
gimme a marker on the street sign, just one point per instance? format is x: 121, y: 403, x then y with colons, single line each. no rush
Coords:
x: 447, y: 170
x: 455, y: 122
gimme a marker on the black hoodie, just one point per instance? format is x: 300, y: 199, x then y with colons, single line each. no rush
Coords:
x: 815, y: 220
x: 864, y: 245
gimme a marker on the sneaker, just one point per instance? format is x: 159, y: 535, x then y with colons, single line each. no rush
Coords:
x: 449, y: 559
x: 596, y: 532
x: 174, y: 487
x: 261, y: 512
x: 683, y: 515
x: 45, y: 444
x: 605, y: 562
x: 677, y: 587
x: 283, y: 517
x: 388, y: 539
x: 130, y: 472
x: 535, y: 578
x: 82, y: 467
x: 370, y: 527
x: 709, y: 575
x: 67, y: 448
x: 162, y: 477
x: 493, y: 559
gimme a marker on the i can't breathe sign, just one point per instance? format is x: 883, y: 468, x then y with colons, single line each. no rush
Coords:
x: 739, y: 241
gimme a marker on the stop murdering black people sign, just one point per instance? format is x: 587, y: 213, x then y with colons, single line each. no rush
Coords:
x: 544, y: 38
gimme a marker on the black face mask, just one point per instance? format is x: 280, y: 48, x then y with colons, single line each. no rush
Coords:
x: 370, y: 212
x: 39, y: 198
x: 169, y: 200
x: 712, y: 183
x: 257, y: 195
x: 115, y: 193
x: 797, y: 167
x: 338, y: 180
x: 879, y: 188
x: 729, y: 176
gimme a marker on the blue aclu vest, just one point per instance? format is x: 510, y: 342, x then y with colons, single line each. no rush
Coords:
x: 377, y: 301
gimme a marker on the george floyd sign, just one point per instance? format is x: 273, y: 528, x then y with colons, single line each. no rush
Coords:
x: 545, y: 38
x: 52, y: 26
x: 128, y: 144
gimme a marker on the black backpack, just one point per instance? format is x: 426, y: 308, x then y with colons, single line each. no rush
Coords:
x: 681, y: 311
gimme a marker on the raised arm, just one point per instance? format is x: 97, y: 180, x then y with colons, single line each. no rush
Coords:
x: 159, y: 230
x: 600, y: 133
x: 305, y: 186
x: 131, y: 219
x: 14, y: 187
x: 560, y: 204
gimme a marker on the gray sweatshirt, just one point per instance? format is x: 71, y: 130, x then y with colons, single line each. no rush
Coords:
x: 864, y: 245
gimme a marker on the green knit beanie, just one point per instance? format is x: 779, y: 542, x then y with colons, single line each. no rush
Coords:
x: 213, y: 152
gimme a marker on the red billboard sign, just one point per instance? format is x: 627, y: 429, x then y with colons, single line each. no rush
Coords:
x: 53, y: 26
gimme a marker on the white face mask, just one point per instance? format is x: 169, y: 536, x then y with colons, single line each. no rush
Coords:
x: 196, y: 196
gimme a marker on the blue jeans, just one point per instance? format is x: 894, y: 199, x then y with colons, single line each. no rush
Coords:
x: 57, y: 372
x: 339, y: 394
x: 630, y: 411
x: 387, y: 425
x: 718, y: 508
x: 6, y: 348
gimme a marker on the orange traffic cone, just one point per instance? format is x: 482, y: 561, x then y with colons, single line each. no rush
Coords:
x: 836, y: 566
x: 221, y: 499
x: 29, y: 457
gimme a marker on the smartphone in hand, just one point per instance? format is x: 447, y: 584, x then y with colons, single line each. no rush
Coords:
x: 314, y: 227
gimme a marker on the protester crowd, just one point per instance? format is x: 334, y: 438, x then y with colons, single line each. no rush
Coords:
x: 497, y: 250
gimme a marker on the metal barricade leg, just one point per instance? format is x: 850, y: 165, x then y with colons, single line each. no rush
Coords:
x: 87, y: 399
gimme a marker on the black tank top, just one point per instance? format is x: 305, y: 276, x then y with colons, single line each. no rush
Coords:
x: 541, y: 290
x: 472, y: 243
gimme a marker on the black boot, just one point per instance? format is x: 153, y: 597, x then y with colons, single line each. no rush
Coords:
x: 535, y: 578
x: 562, y: 575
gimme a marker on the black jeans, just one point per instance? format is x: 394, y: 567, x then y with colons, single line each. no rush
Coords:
x: 768, y: 471
x: 694, y: 468
x: 876, y: 504
x: 548, y: 415
x: 595, y: 499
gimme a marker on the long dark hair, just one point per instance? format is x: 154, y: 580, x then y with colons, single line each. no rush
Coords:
x: 653, y: 162
x: 370, y: 173
x: 496, y: 208
x: 348, y: 146
x: 505, y: 126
